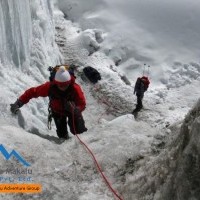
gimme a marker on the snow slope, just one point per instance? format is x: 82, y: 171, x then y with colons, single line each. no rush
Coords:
x: 127, y: 149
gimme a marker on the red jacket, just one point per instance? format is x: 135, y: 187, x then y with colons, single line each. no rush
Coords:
x: 73, y: 93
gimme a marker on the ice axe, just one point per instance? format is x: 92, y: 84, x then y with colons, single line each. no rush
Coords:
x: 144, y: 69
x: 148, y: 70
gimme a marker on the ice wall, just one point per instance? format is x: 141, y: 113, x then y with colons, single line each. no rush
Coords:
x: 27, y: 48
x: 44, y: 51
x: 15, y: 31
x: 27, y: 33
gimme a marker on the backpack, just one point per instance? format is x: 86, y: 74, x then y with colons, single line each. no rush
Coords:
x: 146, y: 82
x: 53, y: 71
x: 92, y: 74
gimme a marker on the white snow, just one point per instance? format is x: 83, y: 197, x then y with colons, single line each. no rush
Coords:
x: 99, y: 34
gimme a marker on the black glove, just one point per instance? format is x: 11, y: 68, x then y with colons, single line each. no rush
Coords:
x: 15, y: 106
x: 70, y: 106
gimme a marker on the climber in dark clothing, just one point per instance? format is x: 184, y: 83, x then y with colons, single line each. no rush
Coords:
x: 141, y: 87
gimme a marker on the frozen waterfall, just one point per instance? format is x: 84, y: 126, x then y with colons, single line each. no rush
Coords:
x: 15, y: 30
x: 27, y: 33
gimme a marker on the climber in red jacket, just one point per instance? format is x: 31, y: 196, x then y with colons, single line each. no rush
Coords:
x: 67, y: 101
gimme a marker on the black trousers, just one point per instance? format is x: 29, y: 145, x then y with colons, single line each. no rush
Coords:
x: 139, y: 105
x: 61, y: 125
x: 76, y: 124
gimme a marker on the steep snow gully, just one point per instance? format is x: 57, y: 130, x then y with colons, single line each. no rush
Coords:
x: 155, y: 157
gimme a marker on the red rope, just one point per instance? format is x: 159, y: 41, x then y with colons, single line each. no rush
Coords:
x: 96, y: 162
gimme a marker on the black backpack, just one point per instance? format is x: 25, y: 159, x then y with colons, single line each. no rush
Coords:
x: 92, y: 74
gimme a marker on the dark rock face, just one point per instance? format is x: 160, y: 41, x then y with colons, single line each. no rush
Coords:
x: 174, y: 174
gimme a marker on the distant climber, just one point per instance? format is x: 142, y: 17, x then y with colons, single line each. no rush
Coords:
x: 141, y: 87
x: 66, y: 104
